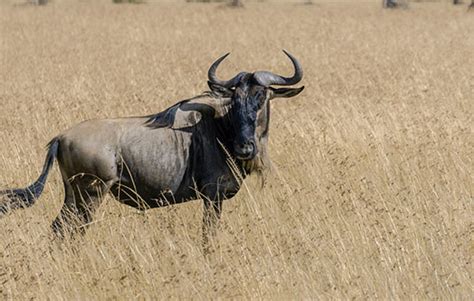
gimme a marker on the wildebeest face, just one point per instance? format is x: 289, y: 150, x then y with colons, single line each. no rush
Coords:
x: 248, y: 101
x: 250, y: 113
x: 250, y: 109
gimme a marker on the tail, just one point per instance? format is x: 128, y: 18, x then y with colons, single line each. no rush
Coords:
x: 12, y: 199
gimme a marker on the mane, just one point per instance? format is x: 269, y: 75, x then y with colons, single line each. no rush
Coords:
x: 166, y: 118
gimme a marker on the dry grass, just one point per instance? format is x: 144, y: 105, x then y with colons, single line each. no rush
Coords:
x: 372, y: 193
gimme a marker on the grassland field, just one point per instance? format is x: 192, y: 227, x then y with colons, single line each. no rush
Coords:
x: 371, y: 195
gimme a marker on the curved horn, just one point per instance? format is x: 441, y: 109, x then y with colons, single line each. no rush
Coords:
x: 211, y: 74
x: 266, y: 78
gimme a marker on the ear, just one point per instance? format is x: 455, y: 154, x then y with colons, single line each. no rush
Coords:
x: 220, y: 90
x: 285, y: 92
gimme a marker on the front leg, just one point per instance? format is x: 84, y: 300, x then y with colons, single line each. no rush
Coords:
x: 224, y: 187
x: 211, y: 216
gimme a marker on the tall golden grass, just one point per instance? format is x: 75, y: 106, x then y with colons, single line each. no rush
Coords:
x: 371, y: 196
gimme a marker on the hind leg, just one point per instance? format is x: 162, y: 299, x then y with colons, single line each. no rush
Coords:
x: 84, y: 194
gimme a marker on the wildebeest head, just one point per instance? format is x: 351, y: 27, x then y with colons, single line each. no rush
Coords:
x: 249, y: 109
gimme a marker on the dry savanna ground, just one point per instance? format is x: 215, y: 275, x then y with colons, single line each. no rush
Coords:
x: 371, y: 194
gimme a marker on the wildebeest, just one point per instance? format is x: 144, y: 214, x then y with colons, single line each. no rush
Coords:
x: 199, y: 148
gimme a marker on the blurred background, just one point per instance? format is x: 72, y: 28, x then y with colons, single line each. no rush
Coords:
x: 371, y: 192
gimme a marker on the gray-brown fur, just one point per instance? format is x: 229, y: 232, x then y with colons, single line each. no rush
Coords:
x: 200, y: 148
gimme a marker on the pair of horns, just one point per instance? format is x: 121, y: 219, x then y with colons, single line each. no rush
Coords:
x: 264, y: 78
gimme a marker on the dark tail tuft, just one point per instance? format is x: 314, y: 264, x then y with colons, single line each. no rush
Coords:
x: 12, y: 199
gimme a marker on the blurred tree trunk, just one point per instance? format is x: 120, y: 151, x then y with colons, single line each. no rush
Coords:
x: 237, y: 3
x: 456, y: 2
x: 41, y: 2
x: 389, y: 3
x: 471, y: 5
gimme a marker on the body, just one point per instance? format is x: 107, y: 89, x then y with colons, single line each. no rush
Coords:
x: 148, y: 167
x: 145, y: 165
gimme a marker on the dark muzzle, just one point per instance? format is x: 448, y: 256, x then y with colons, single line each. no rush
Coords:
x: 246, y: 150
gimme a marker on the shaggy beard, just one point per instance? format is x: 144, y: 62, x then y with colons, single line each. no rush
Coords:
x: 260, y: 166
